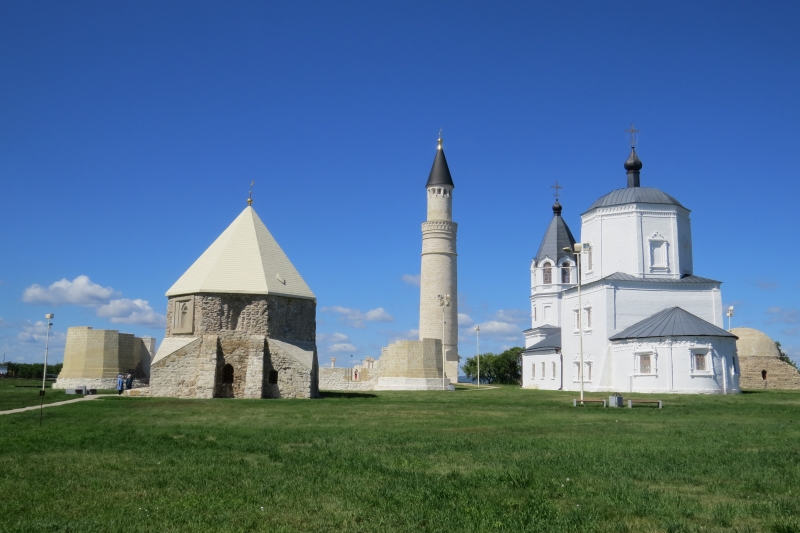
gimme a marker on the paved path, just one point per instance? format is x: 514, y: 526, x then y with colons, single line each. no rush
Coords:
x: 55, y: 404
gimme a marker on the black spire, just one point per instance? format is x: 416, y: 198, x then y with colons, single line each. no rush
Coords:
x: 633, y: 165
x: 440, y: 173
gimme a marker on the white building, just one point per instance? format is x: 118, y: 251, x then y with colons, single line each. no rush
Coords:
x: 648, y: 323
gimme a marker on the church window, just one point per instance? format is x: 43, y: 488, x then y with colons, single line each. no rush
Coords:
x: 273, y: 377
x: 575, y: 318
x: 548, y: 314
x: 533, y: 371
x: 565, y: 273
x: 587, y: 372
x: 534, y: 314
x: 227, y: 375
x: 543, y: 371
x: 554, y: 371
x: 658, y: 252
x: 547, y: 274
x: 589, y: 260
x: 644, y: 364
x: 588, y: 323
x: 700, y: 361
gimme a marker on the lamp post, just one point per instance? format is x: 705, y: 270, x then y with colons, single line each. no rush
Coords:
x: 730, y: 314
x: 478, y: 352
x: 49, y: 317
x: 577, y: 252
x: 444, y: 301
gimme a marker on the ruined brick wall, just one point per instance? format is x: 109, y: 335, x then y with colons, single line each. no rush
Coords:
x: 780, y: 375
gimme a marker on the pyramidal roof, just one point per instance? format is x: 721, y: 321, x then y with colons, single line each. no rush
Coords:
x: 245, y: 259
x: 556, y: 238
x: 440, y: 172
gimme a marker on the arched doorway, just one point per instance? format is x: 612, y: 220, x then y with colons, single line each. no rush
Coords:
x: 226, y: 383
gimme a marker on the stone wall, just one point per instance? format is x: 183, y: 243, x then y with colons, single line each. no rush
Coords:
x: 179, y: 374
x: 780, y: 375
x: 94, y: 383
x: 412, y: 359
x: 277, y: 317
x: 104, y: 354
x: 296, y: 367
x: 336, y: 379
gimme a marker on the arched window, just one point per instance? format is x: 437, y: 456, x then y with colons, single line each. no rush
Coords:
x: 764, y: 375
x: 565, y: 273
x: 227, y: 375
x: 547, y: 274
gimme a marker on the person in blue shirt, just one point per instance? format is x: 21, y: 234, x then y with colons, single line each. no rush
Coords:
x: 120, y: 384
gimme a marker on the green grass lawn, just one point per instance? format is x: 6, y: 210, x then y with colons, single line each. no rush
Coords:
x: 16, y: 393
x: 492, y: 460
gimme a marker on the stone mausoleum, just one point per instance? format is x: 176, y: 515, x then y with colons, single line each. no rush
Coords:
x: 241, y: 323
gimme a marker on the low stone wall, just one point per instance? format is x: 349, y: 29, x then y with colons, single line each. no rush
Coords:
x: 780, y: 375
x: 94, y: 383
x: 338, y: 379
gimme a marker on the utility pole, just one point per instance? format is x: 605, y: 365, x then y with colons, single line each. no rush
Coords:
x: 49, y: 317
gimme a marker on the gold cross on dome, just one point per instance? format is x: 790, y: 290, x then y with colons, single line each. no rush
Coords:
x: 556, y: 187
x: 633, y: 131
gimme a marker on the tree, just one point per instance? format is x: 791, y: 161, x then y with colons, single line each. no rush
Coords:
x: 783, y: 357
x: 502, y: 369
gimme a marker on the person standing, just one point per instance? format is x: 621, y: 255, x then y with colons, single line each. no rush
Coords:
x: 129, y: 382
x: 120, y: 384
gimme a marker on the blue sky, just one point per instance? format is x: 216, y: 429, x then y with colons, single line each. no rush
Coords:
x: 130, y: 132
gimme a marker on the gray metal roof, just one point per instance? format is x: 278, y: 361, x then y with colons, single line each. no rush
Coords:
x: 621, y: 276
x: 548, y: 344
x: 672, y: 322
x: 440, y: 172
x: 556, y: 238
x: 635, y: 195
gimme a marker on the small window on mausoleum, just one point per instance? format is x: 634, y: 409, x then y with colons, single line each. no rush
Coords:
x: 273, y: 377
x: 227, y: 374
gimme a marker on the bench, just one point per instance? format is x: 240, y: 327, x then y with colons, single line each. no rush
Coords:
x: 631, y: 402
x: 575, y: 402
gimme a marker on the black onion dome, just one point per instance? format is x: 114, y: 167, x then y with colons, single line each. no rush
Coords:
x: 557, y: 208
x: 633, y: 162
x: 440, y: 172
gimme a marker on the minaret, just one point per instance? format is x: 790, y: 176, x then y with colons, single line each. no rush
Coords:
x: 438, y: 276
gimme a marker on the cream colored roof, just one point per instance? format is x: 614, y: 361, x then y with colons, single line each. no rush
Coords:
x: 245, y: 259
x: 753, y: 342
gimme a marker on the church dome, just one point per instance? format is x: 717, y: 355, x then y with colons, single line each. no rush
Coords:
x: 635, y: 195
x: 753, y: 342
x: 633, y: 162
x: 556, y: 238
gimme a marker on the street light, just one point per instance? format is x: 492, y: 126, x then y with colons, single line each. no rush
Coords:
x: 478, y: 352
x: 730, y: 314
x: 444, y: 301
x: 577, y: 252
x: 49, y: 317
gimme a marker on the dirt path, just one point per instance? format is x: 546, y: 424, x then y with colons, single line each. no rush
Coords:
x: 54, y: 404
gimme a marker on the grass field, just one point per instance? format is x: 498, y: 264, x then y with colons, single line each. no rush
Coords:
x: 492, y: 460
x: 16, y: 393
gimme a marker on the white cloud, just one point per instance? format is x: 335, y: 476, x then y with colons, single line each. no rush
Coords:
x: 356, y: 318
x: 780, y: 315
x: 125, y: 311
x: 332, y: 337
x: 465, y: 321
x: 411, y: 279
x: 36, y: 332
x: 512, y: 316
x: 80, y: 291
x: 410, y: 335
x: 342, y: 347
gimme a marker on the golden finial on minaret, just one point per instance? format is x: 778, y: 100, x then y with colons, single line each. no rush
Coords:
x: 250, y: 198
x: 440, y: 138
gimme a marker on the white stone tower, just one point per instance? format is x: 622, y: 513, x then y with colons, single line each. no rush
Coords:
x: 438, y: 276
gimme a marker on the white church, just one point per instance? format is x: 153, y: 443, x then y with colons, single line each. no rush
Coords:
x: 641, y: 320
